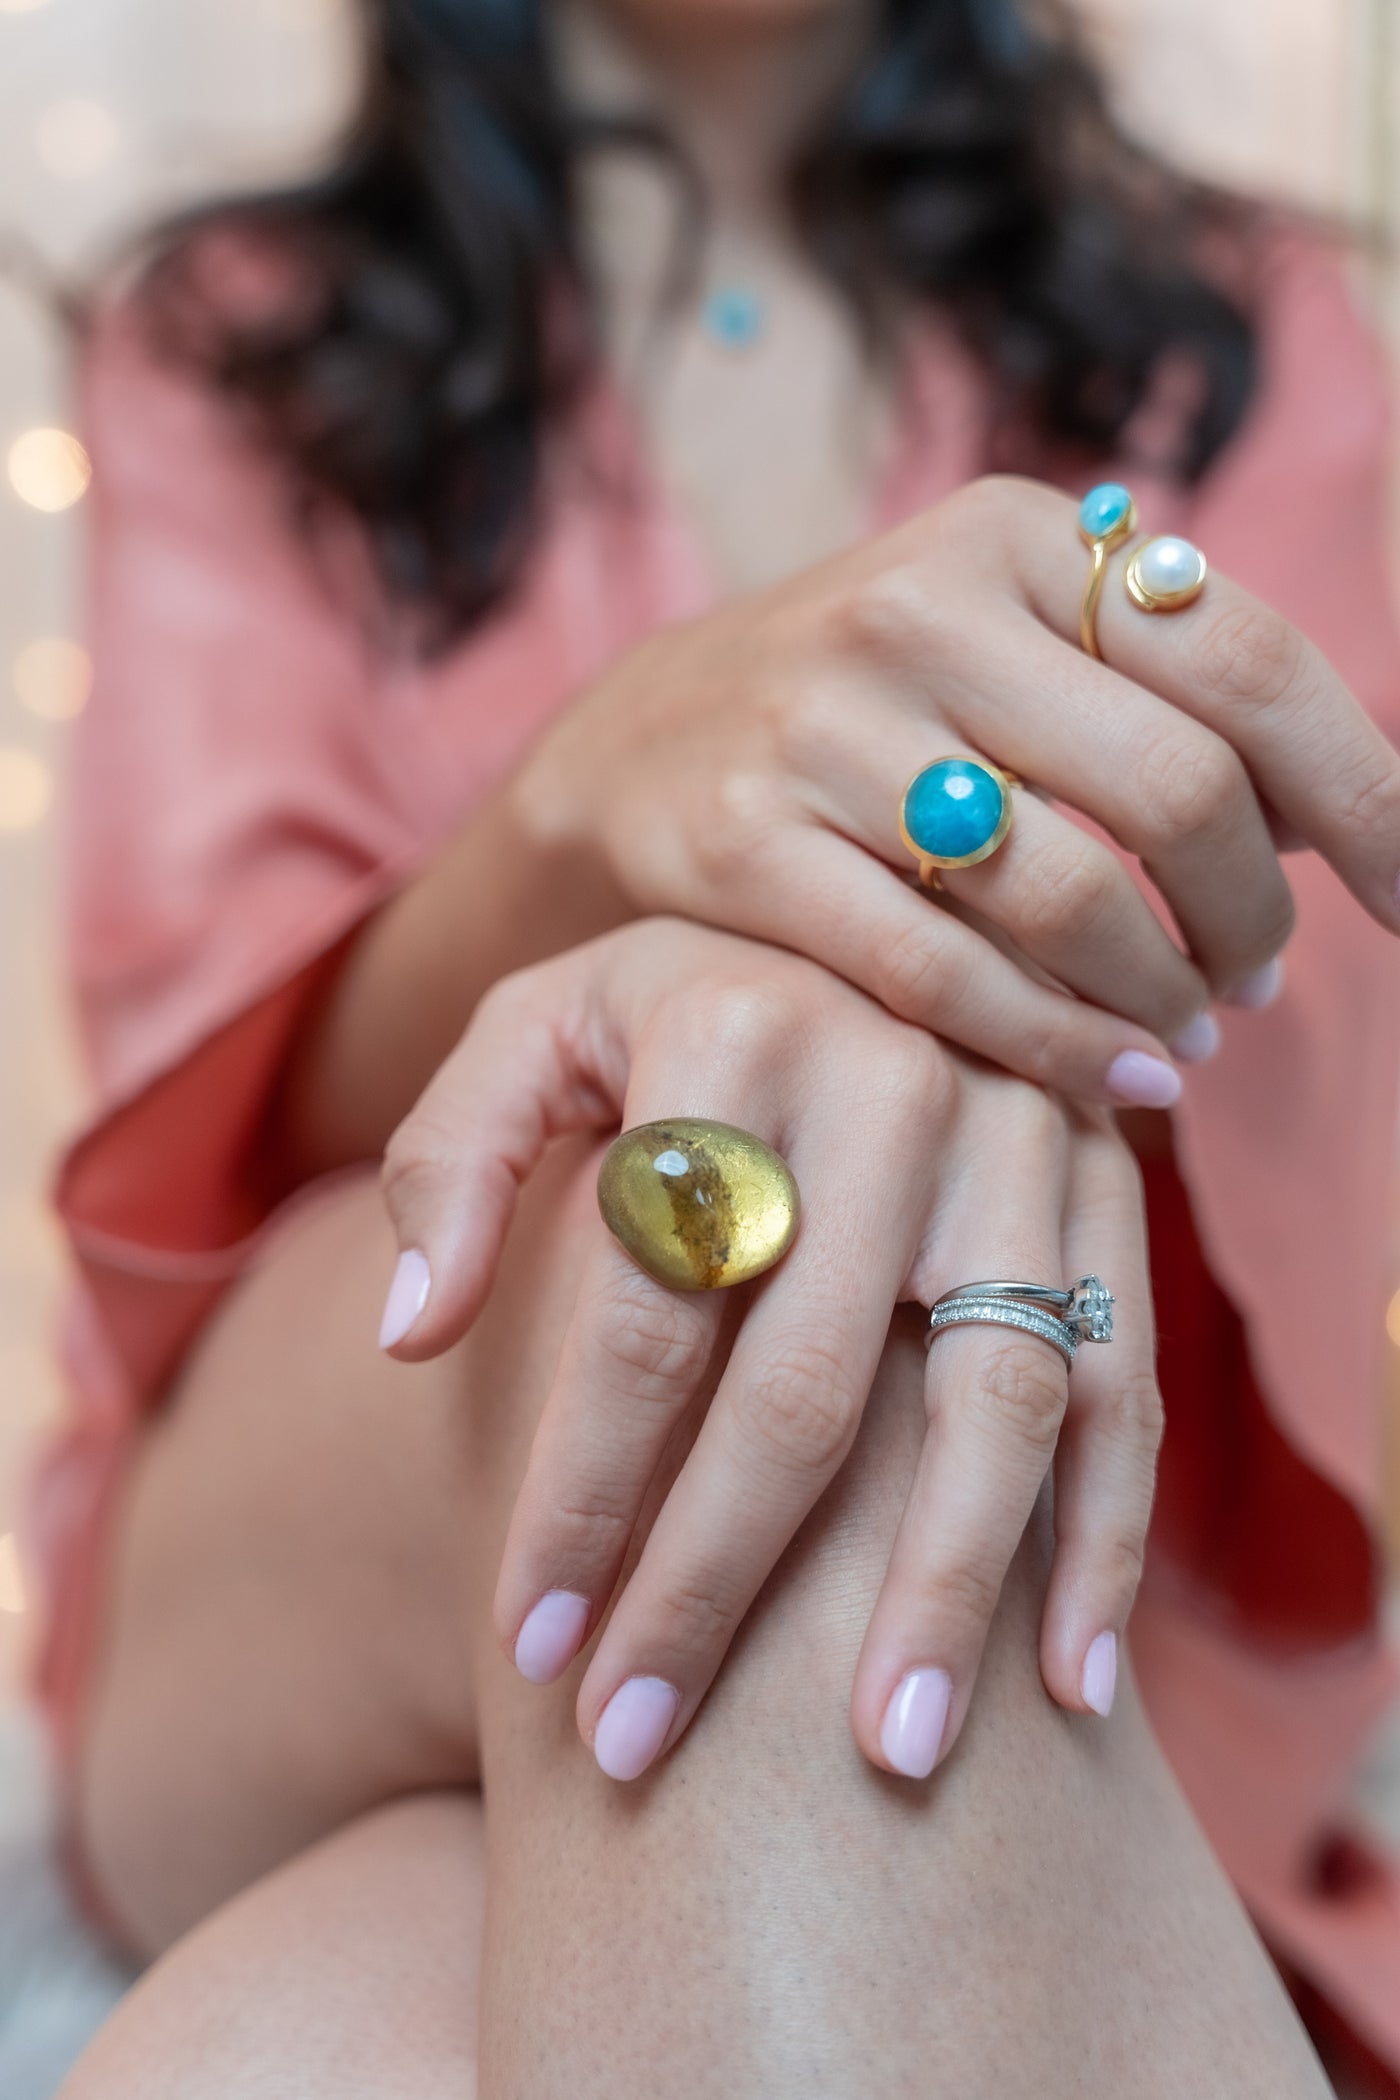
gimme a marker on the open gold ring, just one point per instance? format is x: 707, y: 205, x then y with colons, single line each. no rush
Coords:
x: 1107, y: 517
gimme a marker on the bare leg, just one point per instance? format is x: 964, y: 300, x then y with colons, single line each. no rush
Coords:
x: 764, y: 1914
x: 351, y: 1972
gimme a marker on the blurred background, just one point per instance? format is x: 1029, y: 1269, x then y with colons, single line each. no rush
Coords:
x: 112, y: 110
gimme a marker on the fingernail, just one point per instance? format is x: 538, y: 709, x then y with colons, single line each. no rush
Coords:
x: 1139, y: 1081
x: 1198, y: 1040
x: 914, y: 1721
x: 1261, y: 989
x: 551, y: 1636
x: 1101, y: 1673
x: 633, y: 1725
x: 408, y: 1294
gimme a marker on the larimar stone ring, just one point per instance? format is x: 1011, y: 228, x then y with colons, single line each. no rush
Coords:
x: 1081, y: 1312
x: 955, y: 813
x: 698, y: 1205
x: 1166, y: 575
x: 1107, y: 517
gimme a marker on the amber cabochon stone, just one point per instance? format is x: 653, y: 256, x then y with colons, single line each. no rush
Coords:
x: 698, y: 1205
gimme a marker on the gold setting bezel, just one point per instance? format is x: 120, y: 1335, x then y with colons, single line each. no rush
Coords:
x: 933, y: 865
x: 1100, y: 546
x: 1163, y: 601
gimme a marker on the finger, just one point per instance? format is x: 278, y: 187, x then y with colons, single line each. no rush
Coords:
x: 924, y: 965
x: 633, y: 1360
x: 996, y: 1399
x: 1169, y: 790
x: 1062, y: 898
x: 634, y: 1357
x: 784, y: 1417
x: 1243, y: 672
x: 1105, y: 1467
x: 454, y: 1168
x: 1067, y: 903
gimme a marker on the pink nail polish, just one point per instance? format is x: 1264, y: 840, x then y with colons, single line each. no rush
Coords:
x: 408, y: 1294
x: 1139, y: 1081
x: 1198, y: 1040
x: 1101, y: 1673
x: 551, y: 1636
x: 912, y: 1730
x: 1261, y: 989
x: 633, y: 1725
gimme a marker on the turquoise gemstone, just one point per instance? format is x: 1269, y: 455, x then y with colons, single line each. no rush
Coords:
x: 1104, y: 509
x: 952, y: 809
x: 734, y: 317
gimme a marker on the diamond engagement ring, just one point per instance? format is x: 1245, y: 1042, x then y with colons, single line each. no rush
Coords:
x: 1081, y: 1312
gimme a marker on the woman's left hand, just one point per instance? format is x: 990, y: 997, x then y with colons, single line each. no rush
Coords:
x: 919, y: 1171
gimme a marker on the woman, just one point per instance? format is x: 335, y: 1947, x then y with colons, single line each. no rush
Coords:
x: 415, y: 673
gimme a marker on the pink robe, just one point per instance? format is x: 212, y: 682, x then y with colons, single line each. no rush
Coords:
x: 253, y: 776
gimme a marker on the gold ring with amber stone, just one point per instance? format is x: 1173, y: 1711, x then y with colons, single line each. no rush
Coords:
x: 698, y: 1205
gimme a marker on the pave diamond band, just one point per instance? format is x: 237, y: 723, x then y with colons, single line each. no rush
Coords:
x: 961, y: 1310
x: 1085, y: 1305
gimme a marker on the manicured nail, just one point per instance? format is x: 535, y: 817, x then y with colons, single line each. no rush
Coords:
x: 1101, y: 1673
x: 408, y: 1294
x: 1261, y: 989
x: 551, y: 1636
x: 915, y: 1718
x: 633, y: 1725
x: 1139, y: 1081
x: 1198, y: 1040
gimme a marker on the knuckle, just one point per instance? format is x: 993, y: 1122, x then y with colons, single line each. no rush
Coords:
x: 966, y: 1592
x: 694, y: 1615
x: 653, y: 1338
x: 1248, y: 657
x: 1068, y: 892
x: 1023, y: 1388
x: 416, y: 1162
x: 1122, y: 1560
x: 800, y: 1410
x: 1192, y: 790
x: 922, y: 976
x: 1135, y: 1412
x: 1371, y: 802
x: 741, y: 1021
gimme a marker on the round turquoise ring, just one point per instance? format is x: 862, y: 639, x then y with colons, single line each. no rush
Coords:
x: 1107, y: 517
x: 955, y: 813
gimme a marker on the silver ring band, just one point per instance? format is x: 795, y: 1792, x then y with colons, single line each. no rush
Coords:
x: 964, y: 1310
x: 1085, y: 1306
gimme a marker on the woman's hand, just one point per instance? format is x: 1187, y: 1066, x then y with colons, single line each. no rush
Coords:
x: 747, y: 771
x: 918, y: 1171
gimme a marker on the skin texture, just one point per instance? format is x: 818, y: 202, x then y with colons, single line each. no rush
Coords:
x: 764, y: 1913
x: 737, y: 768
x: 1003, y: 1181
x: 302, y: 1677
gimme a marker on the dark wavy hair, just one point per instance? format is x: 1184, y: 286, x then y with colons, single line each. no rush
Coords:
x: 441, y: 321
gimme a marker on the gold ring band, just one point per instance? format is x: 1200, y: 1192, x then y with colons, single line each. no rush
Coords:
x: 1107, y: 517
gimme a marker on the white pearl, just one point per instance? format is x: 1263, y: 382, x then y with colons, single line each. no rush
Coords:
x: 1171, y: 570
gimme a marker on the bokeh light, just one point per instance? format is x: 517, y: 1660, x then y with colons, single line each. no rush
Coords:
x: 53, y: 678
x: 49, y: 469
x: 1392, y: 1320
x: 26, y: 789
x: 76, y: 137
x: 13, y: 1597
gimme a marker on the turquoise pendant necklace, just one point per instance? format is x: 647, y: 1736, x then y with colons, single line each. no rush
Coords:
x: 734, y: 317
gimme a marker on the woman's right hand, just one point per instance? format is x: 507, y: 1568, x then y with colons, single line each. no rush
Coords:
x: 919, y: 1170
x: 747, y: 771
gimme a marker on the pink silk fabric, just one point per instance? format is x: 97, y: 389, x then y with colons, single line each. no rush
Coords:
x: 255, y: 774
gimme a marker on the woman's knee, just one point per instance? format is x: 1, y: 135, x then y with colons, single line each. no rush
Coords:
x: 350, y: 1974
